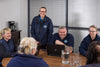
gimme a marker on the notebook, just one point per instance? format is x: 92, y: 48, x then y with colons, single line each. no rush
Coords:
x: 55, y: 50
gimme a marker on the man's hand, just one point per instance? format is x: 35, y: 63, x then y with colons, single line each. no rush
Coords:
x: 68, y: 48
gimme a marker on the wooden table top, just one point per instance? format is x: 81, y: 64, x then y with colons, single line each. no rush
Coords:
x: 52, y: 61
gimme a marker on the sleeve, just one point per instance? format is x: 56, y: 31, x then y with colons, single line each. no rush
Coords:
x: 3, y: 52
x: 82, y: 48
x: 71, y: 41
x: 15, y: 45
x: 50, y: 31
x: 52, y: 41
x: 33, y: 28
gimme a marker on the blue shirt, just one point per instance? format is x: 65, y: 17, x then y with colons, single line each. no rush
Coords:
x: 68, y: 40
x: 23, y: 60
x: 85, y: 44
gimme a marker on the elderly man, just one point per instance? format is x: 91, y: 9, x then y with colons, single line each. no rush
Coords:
x: 92, y: 36
x: 63, y: 38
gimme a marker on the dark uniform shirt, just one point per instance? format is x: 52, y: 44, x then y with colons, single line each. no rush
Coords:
x: 92, y: 65
x: 6, y: 48
x: 23, y: 60
x: 85, y: 44
x: 68, y: 40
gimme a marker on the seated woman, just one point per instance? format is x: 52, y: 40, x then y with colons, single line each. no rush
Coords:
x: 92, y: 36
x: 93, y: 55
x: 7, y: 47
x: 25, y: 56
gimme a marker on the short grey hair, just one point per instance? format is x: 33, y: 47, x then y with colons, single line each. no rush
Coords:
x: 62, y: 27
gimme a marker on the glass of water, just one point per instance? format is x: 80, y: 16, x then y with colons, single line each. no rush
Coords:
x: 71, y: 60
x: 77, y: 60
x: 65, y: 56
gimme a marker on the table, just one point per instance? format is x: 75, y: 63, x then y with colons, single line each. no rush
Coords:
x: 52, y: 61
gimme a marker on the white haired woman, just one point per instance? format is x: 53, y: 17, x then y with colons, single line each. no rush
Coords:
x: 25, y: 56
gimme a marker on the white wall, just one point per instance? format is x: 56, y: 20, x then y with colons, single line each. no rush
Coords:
x: 83, y: 13
x: 14, y: 10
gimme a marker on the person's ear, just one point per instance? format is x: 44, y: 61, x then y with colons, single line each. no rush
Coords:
x: 97, y: 32
x: 33, y: 52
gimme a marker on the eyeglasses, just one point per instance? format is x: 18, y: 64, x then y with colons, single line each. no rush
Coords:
x: 43, y: 11
x: 91, y: 31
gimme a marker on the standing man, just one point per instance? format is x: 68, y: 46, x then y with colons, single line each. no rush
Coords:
x: 42, y: 28
x: 63, y: 38
x: 92, y: 36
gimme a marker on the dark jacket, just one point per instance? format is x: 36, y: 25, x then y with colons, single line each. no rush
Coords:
x: 85, y: 44
x: 92, y: 65
x: 22, y: 60
x: 42, y: 30
x: 9, y: 45
x: 6, y: 49
x: 68, y: 40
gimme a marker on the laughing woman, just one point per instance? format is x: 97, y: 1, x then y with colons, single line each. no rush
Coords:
x: 7, y: 48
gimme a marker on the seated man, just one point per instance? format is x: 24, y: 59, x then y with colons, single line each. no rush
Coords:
x: 93, y: 55
x: 92, y: 36
x: 63, y: 38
